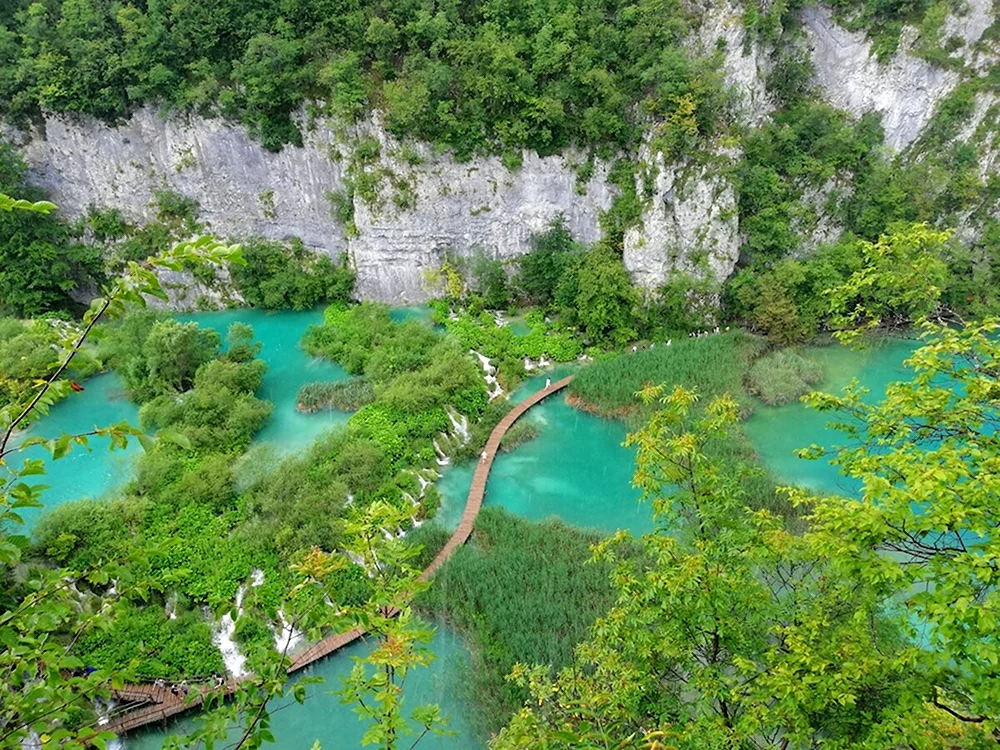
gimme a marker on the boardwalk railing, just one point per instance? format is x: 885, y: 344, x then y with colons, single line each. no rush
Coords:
x: 161, y: 704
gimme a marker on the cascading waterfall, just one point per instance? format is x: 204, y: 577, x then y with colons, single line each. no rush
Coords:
x: 286, y: 637
x: 225, y: 630
x: 489, y: 375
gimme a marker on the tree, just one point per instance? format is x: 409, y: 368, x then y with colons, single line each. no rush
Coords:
x: 605, y: 299
x: 491, y: 282
x: 926, y: 527
x: 47, y: 693
x: 899, y: 282
x: 541, y: 269
x: 41, y: 261
x: 730, y: 631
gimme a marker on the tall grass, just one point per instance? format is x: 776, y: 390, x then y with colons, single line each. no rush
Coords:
x: 783, y: 376
x: 522, y: 432
x: 523, y: 592
x: 349, y: 395
x: 713, y: 365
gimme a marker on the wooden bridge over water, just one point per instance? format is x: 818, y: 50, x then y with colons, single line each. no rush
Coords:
x: 147, y: 704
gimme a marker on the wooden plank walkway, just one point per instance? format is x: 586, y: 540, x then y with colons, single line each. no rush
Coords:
x: 163, y: 705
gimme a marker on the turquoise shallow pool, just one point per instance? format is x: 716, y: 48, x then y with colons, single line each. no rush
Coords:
x: 778, y: 431
x: 288, y: 369
x: 576, y: 469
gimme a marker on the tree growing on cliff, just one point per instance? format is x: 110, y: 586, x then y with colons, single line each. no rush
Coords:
x: 42, y: 260
x: 605, y: 300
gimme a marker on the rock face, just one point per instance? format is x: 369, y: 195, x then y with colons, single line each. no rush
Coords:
x: 465, y: 208
x: 904, y: 89
x: 243, y: 190
x: 418, y: 208
x: 690, y: 227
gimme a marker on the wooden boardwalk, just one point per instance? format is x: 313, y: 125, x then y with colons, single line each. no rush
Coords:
x: 158, y: 704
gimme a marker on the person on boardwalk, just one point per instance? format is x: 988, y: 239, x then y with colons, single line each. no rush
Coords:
x: 548, y: 383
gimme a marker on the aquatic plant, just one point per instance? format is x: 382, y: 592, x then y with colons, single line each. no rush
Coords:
x: 783, y: 376
x: 522, y: 591
x: 343, y: 396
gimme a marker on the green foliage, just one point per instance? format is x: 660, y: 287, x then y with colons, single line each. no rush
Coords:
x: 713, y: 364
x: 685, y: 303
x: 290, y: 276
x: 727, y: 629
x: 348, y: 396
x: 541, y: 269
x: 523, y: 592
x: 491, y: 282
x: 466, y: 77
x: 899, y: 281
x: 500, y: 343
x: 787, y: 301
x: 46, y: 612
x: 804, y: 147
x: 783, y: 376
x: 158, y: 356
x: 924, y: 528
x: 148, y: 644
x: 522, y: 432
x: 42, y: 259
x: 605, y: 299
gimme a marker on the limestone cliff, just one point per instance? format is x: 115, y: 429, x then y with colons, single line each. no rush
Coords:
x: 419, y: 205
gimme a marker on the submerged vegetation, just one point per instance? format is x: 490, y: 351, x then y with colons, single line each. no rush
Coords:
x: 348, y: 396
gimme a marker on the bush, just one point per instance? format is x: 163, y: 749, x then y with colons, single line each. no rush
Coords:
x: 522, y: 432
x: 279, y: 276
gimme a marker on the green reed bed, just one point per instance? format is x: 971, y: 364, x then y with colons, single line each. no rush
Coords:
x: 783, y: 376
x: 713, y: 365
x: 522, y: 592
x: 350, y: 395
x: 522, y: 432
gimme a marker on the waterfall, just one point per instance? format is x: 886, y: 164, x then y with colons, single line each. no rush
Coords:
x: 286, y: 637
x: 225, y: 630
x: 492, y: 384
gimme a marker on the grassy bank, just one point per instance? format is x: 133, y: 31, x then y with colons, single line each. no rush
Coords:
x: 712, y: 366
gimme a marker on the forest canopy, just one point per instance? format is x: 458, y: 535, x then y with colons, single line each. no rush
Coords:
x: 471, y: 76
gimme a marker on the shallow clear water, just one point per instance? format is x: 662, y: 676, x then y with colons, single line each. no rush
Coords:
x: 83, y: 473
x: 421, y: 313
x: 289, y: 368
x: 576, y: 469
x: 336, y: 726
x: 778, y: 431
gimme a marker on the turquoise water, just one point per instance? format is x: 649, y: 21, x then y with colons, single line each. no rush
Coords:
x: 103, y: 402
x: 421, y: 313
x: 778, y: 431
x: 289, y: 368
x: 84, y: 473
x: 322, y: 716
x: 576, y: 469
